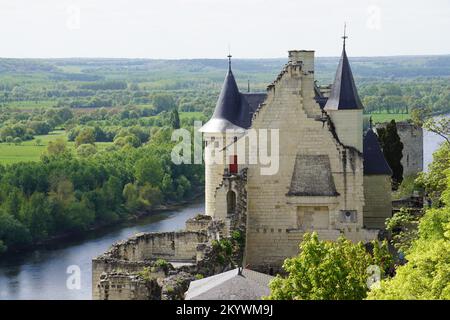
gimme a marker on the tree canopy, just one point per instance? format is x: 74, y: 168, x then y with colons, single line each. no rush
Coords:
x: 329, y: 270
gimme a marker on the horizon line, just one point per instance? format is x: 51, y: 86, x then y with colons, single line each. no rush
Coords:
x: 225, y: 58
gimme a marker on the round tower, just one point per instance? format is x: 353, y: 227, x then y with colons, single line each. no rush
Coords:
x: 230, y: 117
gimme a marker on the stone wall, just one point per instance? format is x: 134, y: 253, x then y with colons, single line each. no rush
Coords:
x: 141, y: 251
x: 126, y: 286
x: 412, y: 138
x: 236, y: 217
x: 124, y: 282
x: 198, y: 223
x: 349, y: 127
x: 180, y: 245
x: 378, y: 202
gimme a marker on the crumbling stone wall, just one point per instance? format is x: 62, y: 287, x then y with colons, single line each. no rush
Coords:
x: 141, y: 251
x: 412, y: 139
x: 118, y: 273
x: 198, y: 223
x: 105, y: 265
x: 126, y: 286
x: 172, y: 246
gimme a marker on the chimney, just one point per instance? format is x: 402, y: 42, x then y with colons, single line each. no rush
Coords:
x: 306, y: 57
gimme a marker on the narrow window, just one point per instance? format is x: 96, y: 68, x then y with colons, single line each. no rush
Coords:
x: 231, y: 202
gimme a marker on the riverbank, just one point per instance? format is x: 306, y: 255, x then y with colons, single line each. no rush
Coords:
x: 43, y: 273
x: 136, y: 217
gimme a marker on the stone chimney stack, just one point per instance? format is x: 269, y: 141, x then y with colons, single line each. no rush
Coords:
x: 306, y: 57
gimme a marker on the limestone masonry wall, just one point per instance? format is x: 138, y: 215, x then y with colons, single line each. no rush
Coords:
x: 378, y: 204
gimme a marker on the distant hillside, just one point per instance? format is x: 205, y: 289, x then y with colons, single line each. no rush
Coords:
x: 385, y: 84
x: 259, y: 71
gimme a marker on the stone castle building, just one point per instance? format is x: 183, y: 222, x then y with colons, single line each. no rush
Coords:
x: 331, y: 179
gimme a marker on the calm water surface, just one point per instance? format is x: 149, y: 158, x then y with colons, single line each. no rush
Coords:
x: 41, y: 274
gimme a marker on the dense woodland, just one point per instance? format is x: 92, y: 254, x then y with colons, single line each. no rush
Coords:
x: 113, y: 160
x: 74, y: 189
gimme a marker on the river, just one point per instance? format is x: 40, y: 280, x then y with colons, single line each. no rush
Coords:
x: 42, y: 273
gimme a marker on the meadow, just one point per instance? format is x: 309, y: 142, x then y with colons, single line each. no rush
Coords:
x: 386, y: 117
x: 32, y: 150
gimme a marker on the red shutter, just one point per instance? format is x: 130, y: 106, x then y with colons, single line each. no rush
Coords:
x: 233, y: 164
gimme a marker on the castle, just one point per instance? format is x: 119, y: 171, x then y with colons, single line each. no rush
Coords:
x: 330, y: 177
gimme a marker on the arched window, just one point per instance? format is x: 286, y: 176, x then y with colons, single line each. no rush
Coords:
x: 231, y: 202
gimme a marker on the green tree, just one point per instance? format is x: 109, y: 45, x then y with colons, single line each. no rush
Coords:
x: 80, y: 215
x: 175, y: 119
x: 163, y: 102
x: 326, y: 270
x: 392, y: 150
x: 434, y: 181
x: 86, y: 150
x: 426, y: 275
x: 403, y: 227
x: 149, y: 170
x: 149, y: 195
x: 131, y: 195
x: 86, y: 136
x: 13, y: 232
x: 37, y: 216
x: 57, y: 147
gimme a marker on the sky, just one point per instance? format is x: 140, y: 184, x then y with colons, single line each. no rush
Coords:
x: 173, y: 29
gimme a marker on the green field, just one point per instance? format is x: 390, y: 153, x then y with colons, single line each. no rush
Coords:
x: 386, y: 117
x: 30, y: 151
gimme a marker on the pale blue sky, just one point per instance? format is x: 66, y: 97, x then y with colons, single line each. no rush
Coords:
x: 205, y: 28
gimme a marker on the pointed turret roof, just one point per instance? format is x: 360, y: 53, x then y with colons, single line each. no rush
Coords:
x: 374, y: 161
x: 232, y: 109
x: 344, y: 95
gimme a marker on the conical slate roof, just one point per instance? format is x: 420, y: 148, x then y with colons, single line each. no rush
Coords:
x: 344, y: 95
x: 232, y: 109
x: 374, y: 161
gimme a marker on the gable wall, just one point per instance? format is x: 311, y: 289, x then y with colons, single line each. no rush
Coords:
x: 272, y: 226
